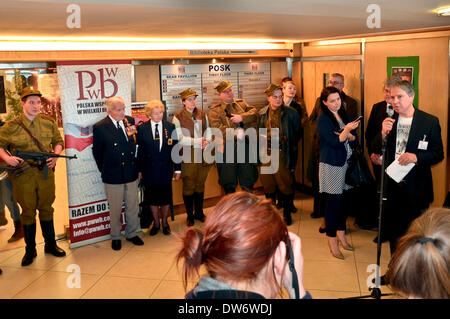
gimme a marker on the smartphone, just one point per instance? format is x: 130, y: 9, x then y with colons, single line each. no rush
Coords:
x: 359, y: 118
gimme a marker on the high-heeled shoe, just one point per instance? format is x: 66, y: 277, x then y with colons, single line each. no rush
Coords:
x: 347, y: 247
x: 338, y: 254
x: 344, y: 243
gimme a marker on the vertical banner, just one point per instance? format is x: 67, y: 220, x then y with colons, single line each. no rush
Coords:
x: 84, y: 87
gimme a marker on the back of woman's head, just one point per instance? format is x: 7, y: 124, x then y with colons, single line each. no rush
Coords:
x: 420, y: 266
x: 240, y: 236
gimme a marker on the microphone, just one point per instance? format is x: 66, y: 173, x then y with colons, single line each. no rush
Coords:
x: 390, y: 114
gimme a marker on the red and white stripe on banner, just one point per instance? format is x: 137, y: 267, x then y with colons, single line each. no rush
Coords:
x: 84, y: 87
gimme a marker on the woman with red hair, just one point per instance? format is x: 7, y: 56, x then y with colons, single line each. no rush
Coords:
x: 246, y: 249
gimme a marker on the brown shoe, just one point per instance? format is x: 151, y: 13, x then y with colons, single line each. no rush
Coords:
x: 18, y: 232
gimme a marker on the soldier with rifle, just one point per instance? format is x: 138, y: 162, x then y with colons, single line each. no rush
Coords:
x: 33, y: 132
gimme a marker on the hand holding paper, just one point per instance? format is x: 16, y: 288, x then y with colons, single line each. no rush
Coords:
x: 397, y: 171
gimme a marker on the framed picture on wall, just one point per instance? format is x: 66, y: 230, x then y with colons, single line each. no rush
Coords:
x: 408, y: 69
x: 326, y: 79
x: 406, y: 73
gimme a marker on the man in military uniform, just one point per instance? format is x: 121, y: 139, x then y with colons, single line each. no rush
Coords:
x: 31, y: 189
x: 238, y: 115
x: 286, y: 119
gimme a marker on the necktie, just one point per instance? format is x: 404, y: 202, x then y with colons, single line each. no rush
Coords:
x: 156, y: 133
x: 156, y: 137
x: 119, y: 128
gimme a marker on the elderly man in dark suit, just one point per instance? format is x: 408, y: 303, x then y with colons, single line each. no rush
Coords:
x: 412, y: 136
x: 114, y: 149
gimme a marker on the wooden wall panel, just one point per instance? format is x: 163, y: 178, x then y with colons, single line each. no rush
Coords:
x: 433, y: 88
x: 147, y: 82
x: 278, y: 70
x: 297, y: 76
x: 313, y: 79
x: 331, y: 50
x: 309, y: 85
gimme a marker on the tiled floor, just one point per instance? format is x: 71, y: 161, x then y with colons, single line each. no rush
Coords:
x: 150, y: 271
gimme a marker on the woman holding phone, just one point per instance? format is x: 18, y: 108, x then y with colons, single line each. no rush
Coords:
x: 245, y: 250
x: 336, y: 133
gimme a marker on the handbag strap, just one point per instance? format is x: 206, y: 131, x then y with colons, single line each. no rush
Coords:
x: 33, y: 138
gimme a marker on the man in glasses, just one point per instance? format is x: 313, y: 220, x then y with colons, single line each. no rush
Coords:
x: 277, y: 118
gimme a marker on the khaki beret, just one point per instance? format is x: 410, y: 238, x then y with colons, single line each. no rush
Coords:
x: 187, y: 93
x: 223, y: 86
x: 271, y: 88
x: 29, y: 90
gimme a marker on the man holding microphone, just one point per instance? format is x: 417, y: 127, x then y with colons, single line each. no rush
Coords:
x: 412, y: 136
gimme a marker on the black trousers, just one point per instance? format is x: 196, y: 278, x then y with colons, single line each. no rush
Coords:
x: 401, y: 209
x: 335, y: 216
x: 231, y: 173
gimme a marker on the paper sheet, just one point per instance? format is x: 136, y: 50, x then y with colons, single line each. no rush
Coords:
x: 397, y: 172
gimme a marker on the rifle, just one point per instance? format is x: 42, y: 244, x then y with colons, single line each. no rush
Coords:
x: 41, y: 158
x: 228, y: 114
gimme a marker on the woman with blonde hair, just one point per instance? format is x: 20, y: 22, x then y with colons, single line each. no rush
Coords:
x: 245, y: 249
x: 420, y: 266
x: 156, y: 138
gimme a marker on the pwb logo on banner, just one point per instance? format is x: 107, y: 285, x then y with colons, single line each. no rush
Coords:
x: 97, y: 86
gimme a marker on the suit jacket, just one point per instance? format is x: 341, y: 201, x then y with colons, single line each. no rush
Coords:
x: 114, y: 155
x: 332, y: 151
x: 157, y: 166
x: 418, y: 182
x: 377, y: 116
x: 350, y: 106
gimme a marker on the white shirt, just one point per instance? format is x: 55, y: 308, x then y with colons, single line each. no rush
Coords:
x: 403, y: 128
x: 188, y: 140
x: 160, y: 131
x: 153, y: 124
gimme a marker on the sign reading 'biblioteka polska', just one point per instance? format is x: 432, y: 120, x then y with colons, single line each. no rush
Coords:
x: 249, y: 82
x: 85, y: 86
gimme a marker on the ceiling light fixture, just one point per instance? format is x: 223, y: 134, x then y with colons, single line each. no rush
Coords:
x: 445, y: 12
x: 104, y: 43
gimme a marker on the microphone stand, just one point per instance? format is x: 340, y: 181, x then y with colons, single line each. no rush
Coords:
x: 375, y: 291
